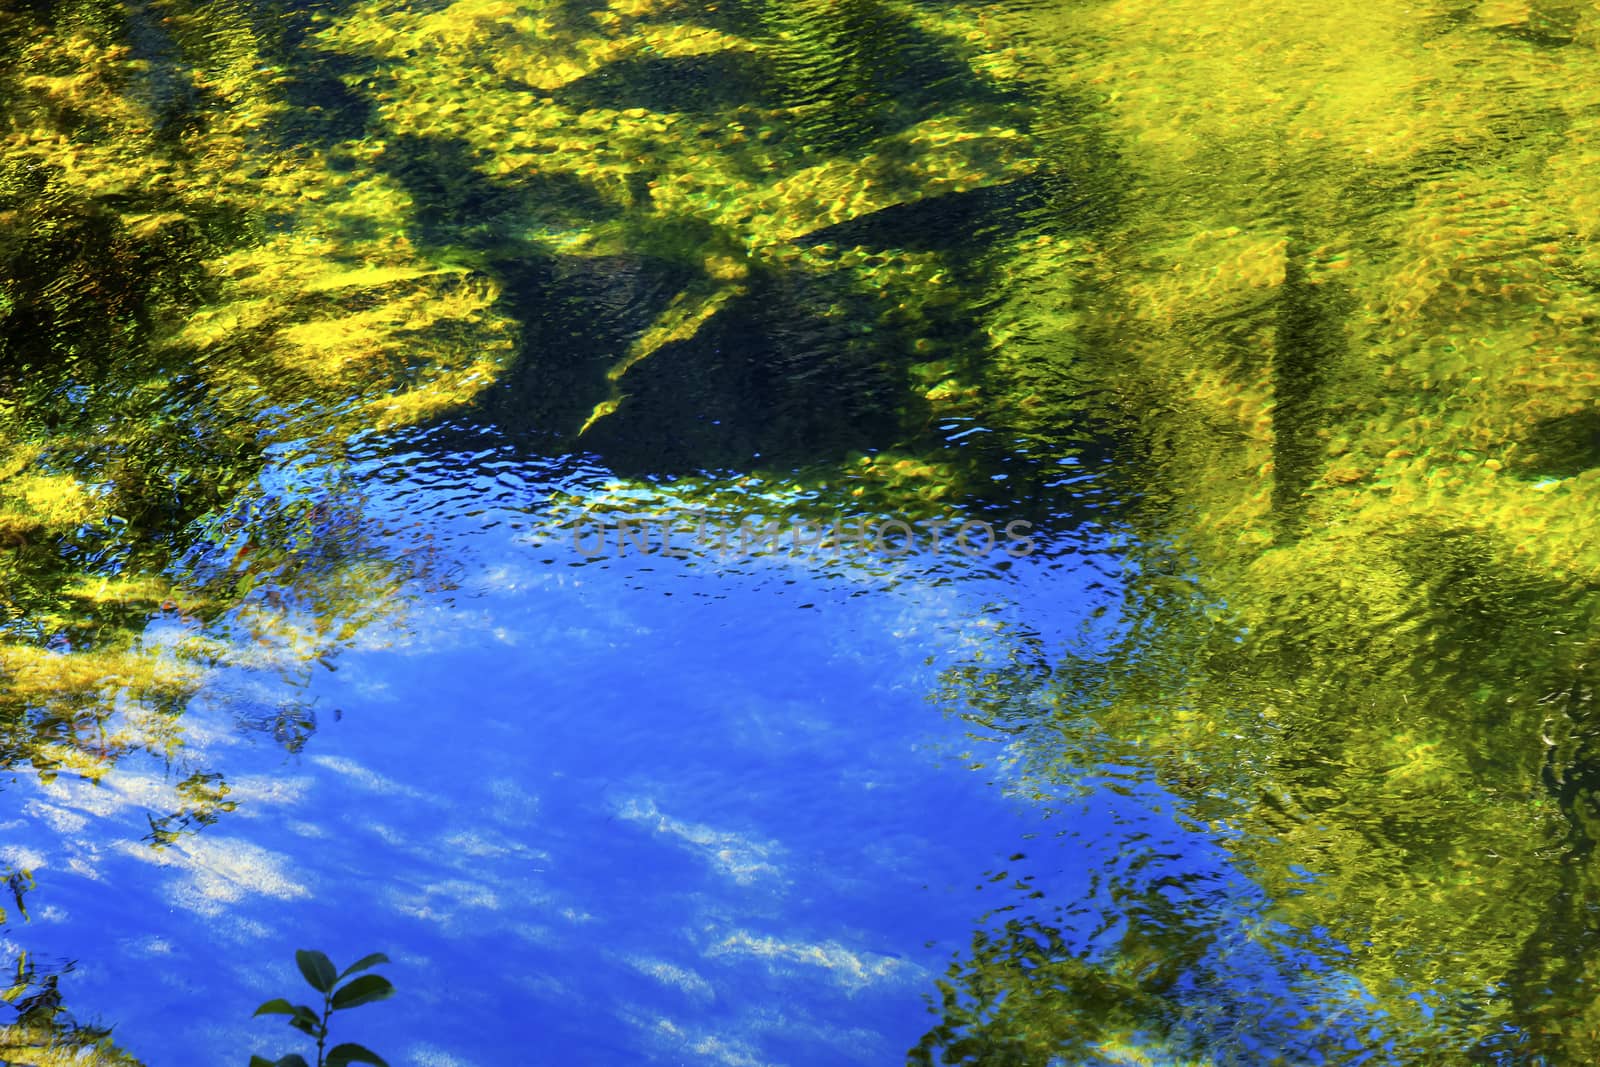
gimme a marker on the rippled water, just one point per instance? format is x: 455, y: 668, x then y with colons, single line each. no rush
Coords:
x: 801, y: 531
x: 620, y: 809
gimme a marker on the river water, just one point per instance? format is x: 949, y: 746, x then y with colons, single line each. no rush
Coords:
x: 613, y: 809
x: 801, y: 531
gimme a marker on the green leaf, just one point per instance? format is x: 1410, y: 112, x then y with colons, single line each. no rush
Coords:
x: 305, y: 1020
x: 261, y: 1061
x: 275, y: 1006
x: 362, y: 964
x: 293, y: 1059
x: 363, y: 990
x: 317, y: 968
x: 339, y: 1055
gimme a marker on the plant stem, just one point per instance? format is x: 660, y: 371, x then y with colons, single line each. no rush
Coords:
x: 322, y: 1031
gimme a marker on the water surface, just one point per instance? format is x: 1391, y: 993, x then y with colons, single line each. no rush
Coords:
x: 325, y: 326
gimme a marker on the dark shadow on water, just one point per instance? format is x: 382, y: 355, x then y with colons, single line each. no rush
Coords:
x: 945, y: 223
x: 686, y: 84
x: 1560, y: 447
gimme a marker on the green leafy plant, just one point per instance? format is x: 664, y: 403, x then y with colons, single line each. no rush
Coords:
x: 319, y: 972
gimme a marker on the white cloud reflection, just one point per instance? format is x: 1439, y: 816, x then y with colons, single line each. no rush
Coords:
x: 217, y: 871
x: 371, y: 781
x: 735, y: 855
x: 853, y: 970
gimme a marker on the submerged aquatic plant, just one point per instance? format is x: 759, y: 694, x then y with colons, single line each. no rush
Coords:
x: 319, y: 973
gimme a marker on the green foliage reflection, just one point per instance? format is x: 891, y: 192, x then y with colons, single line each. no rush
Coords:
x: 1338, y: 330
